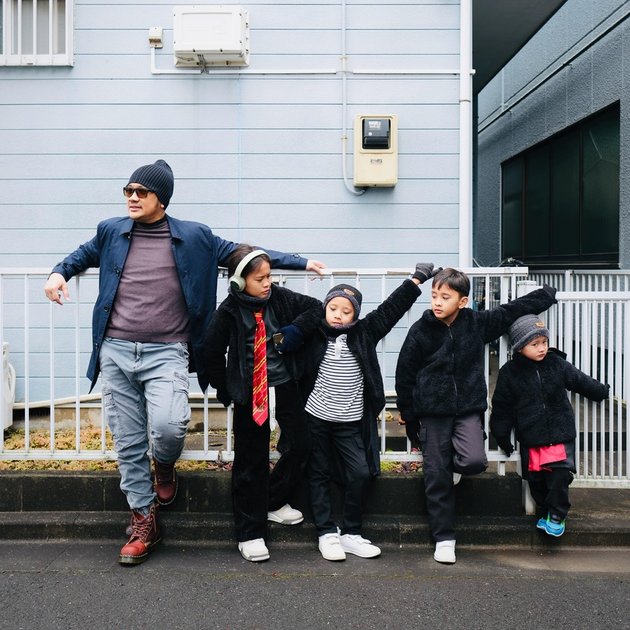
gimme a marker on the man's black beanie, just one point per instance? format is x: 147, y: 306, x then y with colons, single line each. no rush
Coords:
x: 157, y: 177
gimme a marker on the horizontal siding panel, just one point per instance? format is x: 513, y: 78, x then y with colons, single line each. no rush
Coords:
x: 253, y: 89
x: 297, y: 215
x: 327, y: 239
x: 219, y: 189
x: 171, y: 142
x: 353, y: 241
x: 205, y: 116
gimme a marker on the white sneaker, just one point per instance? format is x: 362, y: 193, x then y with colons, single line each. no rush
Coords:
x: 445, y: 552
x: 359, y: 546
x: 330, y: 547
x: 457, y: 477
x: 254, y: 550
x: 285, y: 515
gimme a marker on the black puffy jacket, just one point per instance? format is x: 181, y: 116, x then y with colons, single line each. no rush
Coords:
x: 531, y: 396
x: 440, y: 370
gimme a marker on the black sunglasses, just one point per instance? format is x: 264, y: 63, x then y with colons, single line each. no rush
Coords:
x: 141, y: 192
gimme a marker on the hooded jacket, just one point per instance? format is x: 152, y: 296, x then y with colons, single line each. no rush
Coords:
x: 531, y: 396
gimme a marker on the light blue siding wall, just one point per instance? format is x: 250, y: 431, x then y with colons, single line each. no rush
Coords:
x: 258, y: 157
x: 515, y: 113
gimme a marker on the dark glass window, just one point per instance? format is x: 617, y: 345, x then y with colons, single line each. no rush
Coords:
x: 560, y: 199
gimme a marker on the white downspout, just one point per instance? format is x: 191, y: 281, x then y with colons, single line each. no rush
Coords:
x: 465, y: 133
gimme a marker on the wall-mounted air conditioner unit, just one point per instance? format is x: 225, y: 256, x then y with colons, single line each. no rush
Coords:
x: 211, y: 36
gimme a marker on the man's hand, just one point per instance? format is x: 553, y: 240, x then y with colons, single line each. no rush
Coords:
x: 316, y: 266
x: 55, y: 286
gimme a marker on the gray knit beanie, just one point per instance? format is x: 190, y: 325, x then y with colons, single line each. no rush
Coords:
x: 524, y: 329
x: 157, y: 177
x: 348, y: 292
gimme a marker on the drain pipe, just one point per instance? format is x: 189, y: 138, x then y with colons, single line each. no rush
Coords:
x: 465, y: 133
x: 344, y: 106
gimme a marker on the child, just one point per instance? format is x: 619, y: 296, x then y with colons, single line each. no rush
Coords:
x: 531, y: 396
x: 442, y: 392
x: 345, y: 395
x: 244, y: 325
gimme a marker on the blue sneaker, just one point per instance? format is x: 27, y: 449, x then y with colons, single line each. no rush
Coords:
x: 554, y: 526
x: 541, y: 524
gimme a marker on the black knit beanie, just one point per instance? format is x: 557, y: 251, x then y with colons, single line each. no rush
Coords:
x: 348, y: 292
x: 157, y: 177
x: 524, y: 329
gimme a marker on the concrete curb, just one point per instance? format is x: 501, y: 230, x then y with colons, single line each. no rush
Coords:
x: 89, y: 506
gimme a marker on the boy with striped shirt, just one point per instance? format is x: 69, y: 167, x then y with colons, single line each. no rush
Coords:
x: 344, y: 391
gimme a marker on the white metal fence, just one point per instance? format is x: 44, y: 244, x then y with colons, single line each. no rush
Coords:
x: 49, y: 348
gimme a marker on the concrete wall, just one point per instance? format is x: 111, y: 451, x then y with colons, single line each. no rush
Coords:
x: 588, y: 44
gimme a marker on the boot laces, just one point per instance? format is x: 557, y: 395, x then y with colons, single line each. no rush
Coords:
x: 141, y: 527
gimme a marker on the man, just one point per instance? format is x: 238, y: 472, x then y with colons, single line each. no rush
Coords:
x: 157, y: 293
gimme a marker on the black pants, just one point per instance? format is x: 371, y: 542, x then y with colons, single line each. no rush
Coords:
x: 550, y: 488
x: 254, y: 490
x: 550, y: 491
x: 329, y: 441
x: 449, y: 444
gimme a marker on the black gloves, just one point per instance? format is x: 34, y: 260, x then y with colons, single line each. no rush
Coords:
x: 550, y: 290
x: 292, y: 338
x: 412, y: 428
x: 505, y: 445
x: 424, y: 271
x: 223, y: 397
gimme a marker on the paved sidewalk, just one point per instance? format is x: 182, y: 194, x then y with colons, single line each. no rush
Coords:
x: 78, y: 585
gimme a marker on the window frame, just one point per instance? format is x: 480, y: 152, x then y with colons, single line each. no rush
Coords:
x: 8, y: 34
x: 519, y: 214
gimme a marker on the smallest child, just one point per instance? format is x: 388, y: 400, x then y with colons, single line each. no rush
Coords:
x: 531, y: 397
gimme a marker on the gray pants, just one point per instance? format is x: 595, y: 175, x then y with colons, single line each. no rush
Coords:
x: 449, y: 444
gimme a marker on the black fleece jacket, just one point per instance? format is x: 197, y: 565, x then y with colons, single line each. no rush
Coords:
x: 362, y: 340
x: 531, y: 396
x: 227, y: 332
x: 440, y: 370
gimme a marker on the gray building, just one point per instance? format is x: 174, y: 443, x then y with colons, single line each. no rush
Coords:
x: 553, y: 160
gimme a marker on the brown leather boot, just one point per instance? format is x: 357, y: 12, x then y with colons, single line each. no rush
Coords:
x: 165, y: 482
x: 145, y: 534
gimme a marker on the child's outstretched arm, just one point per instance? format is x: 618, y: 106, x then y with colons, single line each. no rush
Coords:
x: 581, y: 383
x: 383, y: 318
x: 307, y: 313
x: 496, y: 321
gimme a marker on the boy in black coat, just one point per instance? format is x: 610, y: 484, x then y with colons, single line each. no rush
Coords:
x: 344, y: 390
x: 531, y: 397
x: 244, y: 324
x: 442, y: 392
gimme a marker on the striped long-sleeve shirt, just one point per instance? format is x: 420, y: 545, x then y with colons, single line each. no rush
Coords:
x: 338, y: 392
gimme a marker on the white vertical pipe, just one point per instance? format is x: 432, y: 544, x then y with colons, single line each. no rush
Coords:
x: 465, y: 133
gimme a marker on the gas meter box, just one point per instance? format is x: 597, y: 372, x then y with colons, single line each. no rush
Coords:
x: 375, y: 151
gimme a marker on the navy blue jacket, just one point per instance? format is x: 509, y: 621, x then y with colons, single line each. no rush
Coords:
x: 440, y: 370
x: 198, y: 253
x: 531, y: 396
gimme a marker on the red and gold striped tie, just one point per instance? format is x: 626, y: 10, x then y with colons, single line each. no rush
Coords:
x: 260, y: 402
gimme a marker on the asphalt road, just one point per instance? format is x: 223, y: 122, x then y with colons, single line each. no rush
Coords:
x: 70, y: 585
